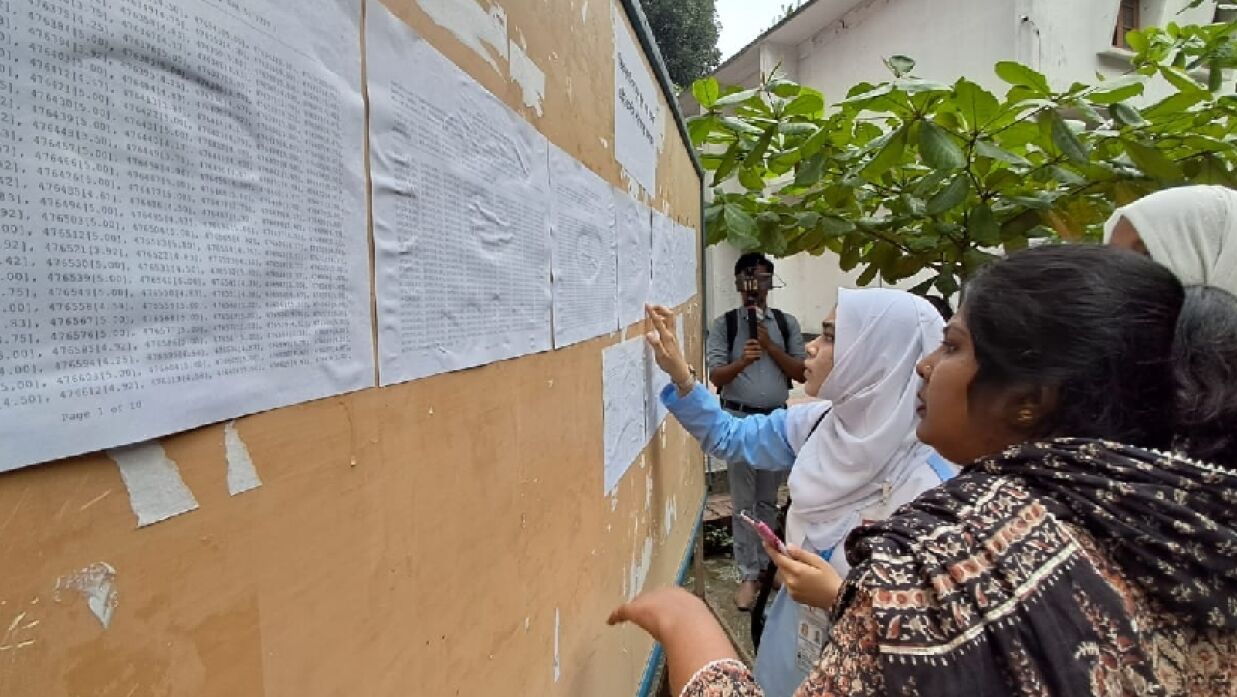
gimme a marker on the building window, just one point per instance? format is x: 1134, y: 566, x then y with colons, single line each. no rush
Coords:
x: 1127, y: 20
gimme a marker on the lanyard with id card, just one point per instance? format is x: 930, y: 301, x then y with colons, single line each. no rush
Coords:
x: 812, y: 632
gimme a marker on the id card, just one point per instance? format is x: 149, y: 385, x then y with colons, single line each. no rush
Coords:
x: 812, y: 632
x: 811, y: 635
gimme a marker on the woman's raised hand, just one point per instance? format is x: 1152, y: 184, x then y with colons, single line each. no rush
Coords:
x: 665, y: 344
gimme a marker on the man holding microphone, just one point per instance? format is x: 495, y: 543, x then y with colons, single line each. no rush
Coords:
x: 754, y: 352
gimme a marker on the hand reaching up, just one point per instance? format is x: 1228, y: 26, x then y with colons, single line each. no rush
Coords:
x: 666, y: 349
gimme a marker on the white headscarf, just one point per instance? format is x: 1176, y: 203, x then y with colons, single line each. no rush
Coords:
x: 1192, y: 230
x: 866, y: 445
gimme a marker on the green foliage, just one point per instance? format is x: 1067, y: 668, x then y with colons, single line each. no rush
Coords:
x: 686, y: 32
x: 911, y: 175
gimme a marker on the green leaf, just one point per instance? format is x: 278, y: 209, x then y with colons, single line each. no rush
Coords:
x: 706, y: 91
x: 868, y: 95
x: 938, y: 148
x: 1002, y: 179
x: 768, y: 219
x: 1041, y: 199
x: 906, y: 266
x: 890, y: 154
x: 1126, y: 115
x: 1065, y: 139
x: 978, y: 106
x: 1117, y: 90
x: 849, y: 258
x: 729, y: 161
x: 814, y: 143
x: 899, y: 65
x: 834, y: 226
x: 795, y: 128
x: 810, y: 170
x: 1182, y: 80
x: 750, y: 178
x: 916, y: 85
x: 1213, y: 170
x: 808, y: 219
x: 699, y: 128
x: 740, y: 126
x: 1017, y: 227
x: 883, y: 256
x: 923, y: 288
x: 947, y: 284
x: 928, y: 183
x: 756, y: 155
x: 1018, y: 74
x: 975, y: 259
x: 1065, y: 226
x: 785, y: 89
x: 741, y: 224
x: 868, y: 275
x: 1152, y: 162
x: 948, y: 119
x: 784, y: 162
x: 982, y: 226
x: 953, y: 194
x: 805, y: 104
x: 984, y: 148
x: 1171, y: 106
x: 736, y: 98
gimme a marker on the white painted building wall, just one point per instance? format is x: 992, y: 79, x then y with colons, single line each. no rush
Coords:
x: 833, y: 44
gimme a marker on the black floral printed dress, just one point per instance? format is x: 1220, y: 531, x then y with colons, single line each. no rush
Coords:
x: 1071, y: 567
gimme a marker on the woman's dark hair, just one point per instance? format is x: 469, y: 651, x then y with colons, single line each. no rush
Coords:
x: 1205, y: 366
x: 1092, y: 324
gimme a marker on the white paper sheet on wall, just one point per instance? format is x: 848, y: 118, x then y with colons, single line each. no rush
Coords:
x: 182, y: 214
x: 637, y: 108
x: 635, y: 264
x: 582, y: 228
x: 664, y: 289
x: 685, y: 264
x: 460, y: 204
x: 623, y: 405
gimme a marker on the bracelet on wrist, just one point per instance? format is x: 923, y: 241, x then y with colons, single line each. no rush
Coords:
x: 689, y: 382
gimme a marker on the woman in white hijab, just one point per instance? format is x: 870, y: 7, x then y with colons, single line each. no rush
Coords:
x: 1191, y: 229
x: 853, y: 458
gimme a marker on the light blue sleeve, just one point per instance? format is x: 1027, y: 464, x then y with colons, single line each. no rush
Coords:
x: 758, y: 439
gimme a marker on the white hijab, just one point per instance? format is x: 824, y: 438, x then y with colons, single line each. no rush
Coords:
x: 1192, y: 230
x: 866, y: 445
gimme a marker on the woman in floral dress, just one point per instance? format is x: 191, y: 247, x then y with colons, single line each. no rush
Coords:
x: 1072, y: 556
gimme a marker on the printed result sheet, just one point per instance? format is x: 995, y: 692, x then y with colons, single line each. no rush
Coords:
x: 663, y: 291
x: 685, y: 274
x: 634, y: 223
x: 182, y: 217
x: 460, y: 206
x: 623, y: 395
x: 674, y: 261
x: 582, y: 228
